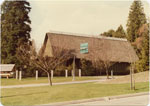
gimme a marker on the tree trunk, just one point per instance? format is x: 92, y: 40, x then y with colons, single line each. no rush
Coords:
x: 49, y: 79
x: 100, y: 72
x: 131, y: 82
x: 107, y: 73
x: 133, y: 76
x: 74, y: 68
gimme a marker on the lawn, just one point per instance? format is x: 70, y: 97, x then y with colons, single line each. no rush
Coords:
x: 59, y: 93
x: 138, y: 77
x: 13, y: 81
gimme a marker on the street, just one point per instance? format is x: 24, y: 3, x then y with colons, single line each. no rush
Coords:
x: 136, y: 100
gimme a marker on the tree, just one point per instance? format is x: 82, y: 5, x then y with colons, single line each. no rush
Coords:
x: 142, y: 47
x: 15, y: 24
x: 30, y: 71
x: 137, y: 30
x: 87, y: 67
x: 110, y: 33
x: 100, y: 57
x: 119, y: 33
x: 145, y: 53
x: 136, y: 19
x: 46, y: 63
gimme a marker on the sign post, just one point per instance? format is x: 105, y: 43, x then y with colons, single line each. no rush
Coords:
x: 83, y: 50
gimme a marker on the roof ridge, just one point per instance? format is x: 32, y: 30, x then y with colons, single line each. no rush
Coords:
x: 87, y: 35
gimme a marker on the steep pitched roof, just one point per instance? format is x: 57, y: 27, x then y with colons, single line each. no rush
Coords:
x: 114, y: 49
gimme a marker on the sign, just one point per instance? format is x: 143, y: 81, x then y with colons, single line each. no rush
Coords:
x: 84, y: 48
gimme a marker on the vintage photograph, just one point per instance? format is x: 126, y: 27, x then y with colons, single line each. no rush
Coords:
x: 74, y: 52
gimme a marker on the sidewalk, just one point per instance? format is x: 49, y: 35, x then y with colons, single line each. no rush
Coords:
x: 96, y: 101
x: 46, y: 84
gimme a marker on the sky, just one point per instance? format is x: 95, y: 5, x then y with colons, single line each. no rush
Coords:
x: 91, y: 17
x: 83, y: 17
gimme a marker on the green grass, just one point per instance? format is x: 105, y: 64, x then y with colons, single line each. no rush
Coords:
x: 13, y: 81
x: 59, y: 93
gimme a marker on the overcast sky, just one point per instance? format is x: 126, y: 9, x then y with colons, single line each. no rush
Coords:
x: 85, y: 17
x: 78, y: 16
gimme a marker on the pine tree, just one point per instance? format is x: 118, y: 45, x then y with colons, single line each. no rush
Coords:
x: 120, y: 33
x: 110, y: 33
x: 136, y: 19
x: 15, y: 24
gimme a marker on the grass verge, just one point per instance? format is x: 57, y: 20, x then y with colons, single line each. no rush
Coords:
x: 59, y: 93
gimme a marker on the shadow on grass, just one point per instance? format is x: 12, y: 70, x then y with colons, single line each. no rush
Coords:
x: 136, y: 89
x: 22, y: 94
x: 140, y: 88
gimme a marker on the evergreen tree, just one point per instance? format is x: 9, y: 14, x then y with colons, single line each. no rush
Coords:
x: 120, y: 33
x: 110, y: 33
x: 137, y: 33
x: 15, y: 24
x: 136, y: 19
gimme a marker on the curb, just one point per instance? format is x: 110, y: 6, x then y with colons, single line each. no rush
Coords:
x: 94, y: 99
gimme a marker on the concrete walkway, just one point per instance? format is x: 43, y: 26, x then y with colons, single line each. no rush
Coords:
x: 46, y: 84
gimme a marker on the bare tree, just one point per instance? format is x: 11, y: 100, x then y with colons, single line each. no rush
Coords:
x: 46, y: 63
x: 99, y: 54
x: 132, y: 66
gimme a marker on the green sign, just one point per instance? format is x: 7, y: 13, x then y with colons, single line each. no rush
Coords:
x: 84, y: 48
